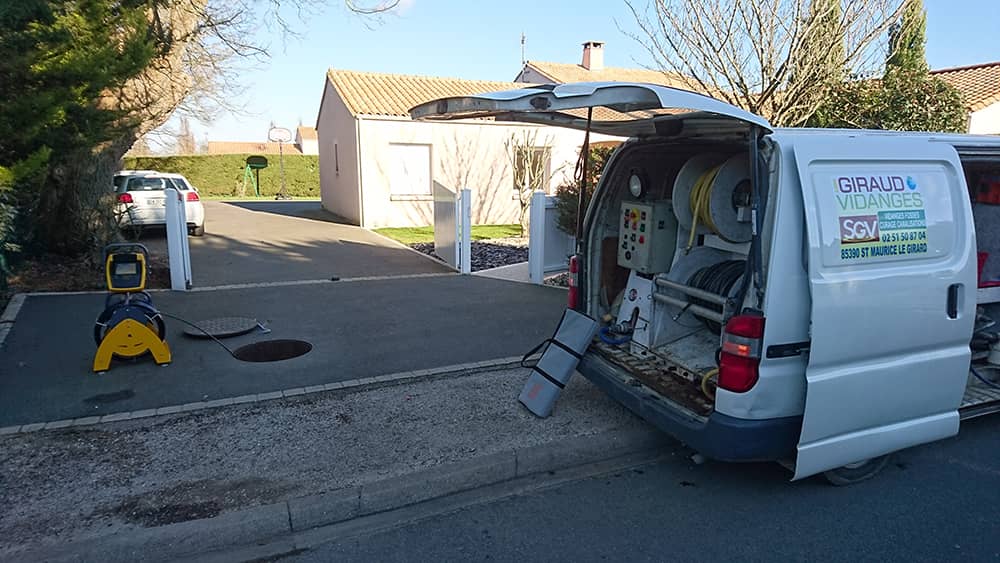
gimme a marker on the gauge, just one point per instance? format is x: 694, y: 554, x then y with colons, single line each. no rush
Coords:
x: 635, y: 185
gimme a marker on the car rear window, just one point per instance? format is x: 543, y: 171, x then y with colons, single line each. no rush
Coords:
x: 147, y: 183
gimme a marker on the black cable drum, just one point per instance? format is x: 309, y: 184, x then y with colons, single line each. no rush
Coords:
x: 718, y: 279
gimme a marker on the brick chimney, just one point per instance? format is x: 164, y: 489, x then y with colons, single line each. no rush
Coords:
x: 593, y: 55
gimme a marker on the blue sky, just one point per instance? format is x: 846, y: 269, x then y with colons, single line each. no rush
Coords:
x: 474, y: 39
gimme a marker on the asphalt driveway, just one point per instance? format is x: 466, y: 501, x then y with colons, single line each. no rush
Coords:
x: 274, y: 241
x: 357, y: 329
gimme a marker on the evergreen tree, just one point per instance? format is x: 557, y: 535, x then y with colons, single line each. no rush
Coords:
x: 907, y: 39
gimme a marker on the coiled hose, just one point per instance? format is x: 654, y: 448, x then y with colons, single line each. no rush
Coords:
x: 719, y: 279
x: 700, y: 202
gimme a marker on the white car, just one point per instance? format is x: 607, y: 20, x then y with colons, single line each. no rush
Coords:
x: 141, y: 200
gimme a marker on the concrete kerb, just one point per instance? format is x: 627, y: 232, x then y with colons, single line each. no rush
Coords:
x: 294, y: 392
x: 401, y: 245
x: 261, y: 524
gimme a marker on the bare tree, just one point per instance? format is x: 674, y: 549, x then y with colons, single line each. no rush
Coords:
x: 775, y: 58
x: 185, y: 142
x: 531, y: 162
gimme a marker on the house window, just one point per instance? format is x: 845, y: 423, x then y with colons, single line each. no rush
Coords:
x: 409, y: 170
x: 532, y: 169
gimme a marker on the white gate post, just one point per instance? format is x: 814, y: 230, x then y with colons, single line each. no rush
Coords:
x: 178, y: 251
x: 465, y: 231
x: 536, y: 238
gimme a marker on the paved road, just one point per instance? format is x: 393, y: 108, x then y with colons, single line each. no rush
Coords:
x: 264, y: 241
x: 937, y: 503
x: 358, y: 329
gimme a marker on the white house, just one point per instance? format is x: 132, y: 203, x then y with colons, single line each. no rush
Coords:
x: 377, y: 166
x: 980, y: 88
x: 305, y: 140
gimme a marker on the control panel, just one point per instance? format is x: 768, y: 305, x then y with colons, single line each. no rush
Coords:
x: 647, y: 237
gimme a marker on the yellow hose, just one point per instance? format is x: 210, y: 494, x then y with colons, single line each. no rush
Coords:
x: 701, y: 197
x: 704, y: 382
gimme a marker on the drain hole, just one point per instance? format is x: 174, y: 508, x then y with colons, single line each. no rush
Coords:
x: 272, y: 350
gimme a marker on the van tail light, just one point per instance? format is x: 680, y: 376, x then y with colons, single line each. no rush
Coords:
x: 739, y: 360
x: 573, y: 299
x: 191, y: 195
x: 125, y: 198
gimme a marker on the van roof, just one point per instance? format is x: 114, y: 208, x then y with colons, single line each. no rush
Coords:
x: 957, y: 139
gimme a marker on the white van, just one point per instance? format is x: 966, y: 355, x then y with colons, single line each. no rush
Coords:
x: 795, y: 295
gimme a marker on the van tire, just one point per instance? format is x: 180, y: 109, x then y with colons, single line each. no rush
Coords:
x: 197, y: 231
x: 857, y: 472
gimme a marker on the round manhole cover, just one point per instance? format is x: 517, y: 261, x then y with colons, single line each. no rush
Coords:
x: 223, y: 327
x: 272, y: 350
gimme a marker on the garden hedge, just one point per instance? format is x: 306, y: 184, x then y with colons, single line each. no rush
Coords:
x: 221, y: 175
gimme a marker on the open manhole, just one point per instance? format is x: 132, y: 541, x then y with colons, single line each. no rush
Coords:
x: 272, y: 350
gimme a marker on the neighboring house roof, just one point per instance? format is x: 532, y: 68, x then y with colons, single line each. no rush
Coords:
x: 979, y: 84
x: 374, y: 93
x: 239, y: 147
x: 306, y: 133
x: 565, y: 73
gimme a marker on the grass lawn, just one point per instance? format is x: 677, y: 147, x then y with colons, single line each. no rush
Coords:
x: 411, y: 235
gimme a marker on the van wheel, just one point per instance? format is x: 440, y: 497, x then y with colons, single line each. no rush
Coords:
x: 197, y: 231
x: 857, y: 472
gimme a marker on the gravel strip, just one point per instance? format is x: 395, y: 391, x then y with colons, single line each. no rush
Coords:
x: 486, y: 254
x: 76, y: 482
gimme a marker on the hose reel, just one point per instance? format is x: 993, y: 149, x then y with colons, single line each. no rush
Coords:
x: 712, y: 196
x: 129, y: 326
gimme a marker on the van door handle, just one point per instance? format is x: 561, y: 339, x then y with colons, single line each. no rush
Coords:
x: 953, y: 295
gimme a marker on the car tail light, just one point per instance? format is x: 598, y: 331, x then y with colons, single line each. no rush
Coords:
x: 739, y: 360
x: 572, y: 300
x: 192, y: 195
x: 125, y: 198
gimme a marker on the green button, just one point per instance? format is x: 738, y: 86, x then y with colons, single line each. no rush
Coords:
x: 642, y: 227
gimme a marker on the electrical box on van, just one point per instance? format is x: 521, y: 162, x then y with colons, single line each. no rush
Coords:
x: 648, y: 236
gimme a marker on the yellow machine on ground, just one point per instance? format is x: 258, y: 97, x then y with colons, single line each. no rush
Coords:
x: 130, y: 326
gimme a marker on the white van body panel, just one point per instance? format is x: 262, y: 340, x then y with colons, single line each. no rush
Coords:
x: 887, y: 364
x: 781, y: 389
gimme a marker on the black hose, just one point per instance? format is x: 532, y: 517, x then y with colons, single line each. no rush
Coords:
x: 983, y: 379
x: 205, y: 332
x: 718, y: 279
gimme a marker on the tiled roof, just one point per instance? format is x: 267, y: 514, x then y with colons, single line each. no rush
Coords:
x: 239, y: 147
x: 307, y: 133
x: 979, y: 84
x: 565, y: 73
x: 373, y: 93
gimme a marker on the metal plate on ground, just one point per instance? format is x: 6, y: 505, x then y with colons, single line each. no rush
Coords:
x: 223, y: 327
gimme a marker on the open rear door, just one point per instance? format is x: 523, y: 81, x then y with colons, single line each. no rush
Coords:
x: 893, y: 281
x: 623, y: 109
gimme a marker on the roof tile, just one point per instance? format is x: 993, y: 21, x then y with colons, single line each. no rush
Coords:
x: 373, y: 93
x: 979, y: 84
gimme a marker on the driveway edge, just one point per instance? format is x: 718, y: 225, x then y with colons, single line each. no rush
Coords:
x: 10, y: 314
x: 350, y: 385
x: 265, y: 523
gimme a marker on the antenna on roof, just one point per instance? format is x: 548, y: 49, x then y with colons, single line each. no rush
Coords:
x: 522, y: 49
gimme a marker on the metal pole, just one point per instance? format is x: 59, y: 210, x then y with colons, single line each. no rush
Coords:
x: 281, y: 163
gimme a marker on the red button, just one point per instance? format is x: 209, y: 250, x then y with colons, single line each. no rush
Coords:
x: 642, y: 239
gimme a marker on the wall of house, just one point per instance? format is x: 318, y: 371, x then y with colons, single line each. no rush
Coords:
x: 986, y: 121
x: 309, y: 146
x: 338, y: 158
x: 461, y: 154
x: 532, y: 76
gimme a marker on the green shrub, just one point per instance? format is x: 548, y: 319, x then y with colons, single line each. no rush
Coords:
x: 221, y: 175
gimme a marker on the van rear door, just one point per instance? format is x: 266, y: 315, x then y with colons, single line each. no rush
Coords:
x: 892, y: 273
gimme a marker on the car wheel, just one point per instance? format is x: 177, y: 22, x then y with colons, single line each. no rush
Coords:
x: 857, y: 472
x: 197, y: 231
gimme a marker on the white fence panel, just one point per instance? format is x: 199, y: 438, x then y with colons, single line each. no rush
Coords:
x: 446, y: 225
x: 453, y: 227
x: 549, y: 248
x: 178, y: 251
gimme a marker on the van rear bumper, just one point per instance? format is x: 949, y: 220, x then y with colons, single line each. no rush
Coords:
x: 717, y: 436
